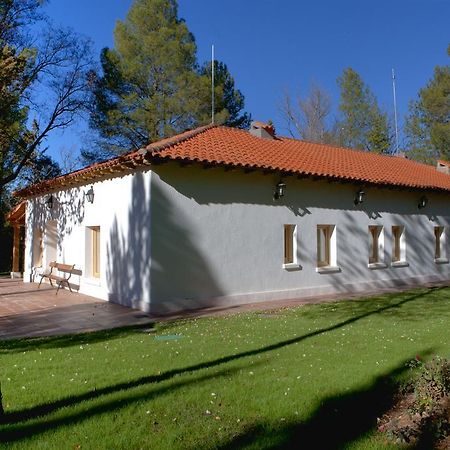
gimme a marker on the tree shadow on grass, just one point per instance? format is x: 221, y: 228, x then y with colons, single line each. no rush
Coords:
x: 337, y: 422
x: 69, y: 340
x: 48, y: 408
x: 437, y: 300
x: 23, y: 430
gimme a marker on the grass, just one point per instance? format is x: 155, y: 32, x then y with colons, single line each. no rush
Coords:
x: 309, y: 377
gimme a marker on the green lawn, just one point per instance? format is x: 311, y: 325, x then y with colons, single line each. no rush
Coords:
x: 308, y: 377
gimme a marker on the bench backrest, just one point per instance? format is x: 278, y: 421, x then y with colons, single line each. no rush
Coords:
x: 64, y: 267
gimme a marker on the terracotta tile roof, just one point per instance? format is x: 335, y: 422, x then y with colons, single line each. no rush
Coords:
x: 218, y: 145
x: 221, y: 145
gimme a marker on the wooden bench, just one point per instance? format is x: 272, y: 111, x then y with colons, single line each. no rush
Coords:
x: 65, y: 269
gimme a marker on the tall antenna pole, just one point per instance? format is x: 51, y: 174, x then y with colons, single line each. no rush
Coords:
x: 395, y: 112
x: 212, y: 83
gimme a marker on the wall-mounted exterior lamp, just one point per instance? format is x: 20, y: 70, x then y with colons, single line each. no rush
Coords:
x: 279, y: 190
x: 90, y: 195
x: 49, y: 202
x: 422, y: 202
x: 359, y: 197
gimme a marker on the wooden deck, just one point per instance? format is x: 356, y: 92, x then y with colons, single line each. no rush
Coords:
x: 26, y: 311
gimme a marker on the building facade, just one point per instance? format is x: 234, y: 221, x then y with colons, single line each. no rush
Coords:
x: 219, y: 217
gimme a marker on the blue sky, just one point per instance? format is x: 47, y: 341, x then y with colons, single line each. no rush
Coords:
x: 272, y: 46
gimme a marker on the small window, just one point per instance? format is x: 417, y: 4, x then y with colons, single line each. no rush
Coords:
x: 92, y: 252
x: 376, y: 244
x: 440, y: 253
x: 326, y: 246
x: 289, y: 244
x: 290, y: 248
x: 398, y: 244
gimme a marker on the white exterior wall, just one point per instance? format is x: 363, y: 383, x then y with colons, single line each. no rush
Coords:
x: 121, y: 209
x: 218, y: 237
x: 179, y: 238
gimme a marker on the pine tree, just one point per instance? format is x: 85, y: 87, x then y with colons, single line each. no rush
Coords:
x: 228, y: 101
x: 363, y: 125
x: 428, y: 124
x: 151, y: 86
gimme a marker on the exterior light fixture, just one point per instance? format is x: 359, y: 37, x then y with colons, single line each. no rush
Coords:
x: 279, y: 190
x: 422, y: 202
x: 49, y: 202
x: 90, y: 195
x: 359, y: 197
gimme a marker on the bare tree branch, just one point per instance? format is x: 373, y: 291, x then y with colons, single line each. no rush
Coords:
x: 308, y: 117
x: 54, y: 89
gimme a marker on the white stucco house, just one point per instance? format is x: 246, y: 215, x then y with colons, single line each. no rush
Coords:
x: 220, y: 216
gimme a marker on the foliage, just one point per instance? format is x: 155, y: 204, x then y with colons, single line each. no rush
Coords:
x: 42, y: 83
x: 228, y: 101
x: 428, y: 124
x: 422, y: 415
x: 6, y: 233
x: 42, y: 88
x: 293, y: 377
x: 363, y: 125
x: 431, y: 385
x: 151, y: 86
x: 38, y: 168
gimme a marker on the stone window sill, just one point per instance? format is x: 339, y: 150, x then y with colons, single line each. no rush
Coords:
x: 328, y: 269
x: 292, y: 266
x: 378, y: 265
x: 399, y: 264
x: 441, y: 260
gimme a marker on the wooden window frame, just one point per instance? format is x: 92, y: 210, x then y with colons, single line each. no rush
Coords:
x: 95, y: 251
x: 397, y: 238
x: 376, y: 244
x: 440, y: 251
x: 326, y: 231
x: 289, y: 244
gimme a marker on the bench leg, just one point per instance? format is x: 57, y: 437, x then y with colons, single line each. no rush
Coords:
x: 60, y: 284
x: 42, y: 277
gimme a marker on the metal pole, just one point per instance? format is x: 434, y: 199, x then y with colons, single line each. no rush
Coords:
x: 212, y: 83
x: 395, y: 112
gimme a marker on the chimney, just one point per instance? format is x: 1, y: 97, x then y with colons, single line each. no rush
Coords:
x: 443, y: 166
x: 262, y: 130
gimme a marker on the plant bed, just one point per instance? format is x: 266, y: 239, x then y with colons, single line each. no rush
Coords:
x: 420, y: 416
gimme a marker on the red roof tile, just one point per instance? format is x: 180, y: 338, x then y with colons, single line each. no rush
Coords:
x: 218, y: 145
x: 221, y: 145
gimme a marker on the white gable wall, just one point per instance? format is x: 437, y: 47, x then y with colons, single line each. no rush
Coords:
x: 121, y: 209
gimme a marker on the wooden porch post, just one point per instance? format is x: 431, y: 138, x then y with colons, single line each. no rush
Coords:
x: 16, y: 248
